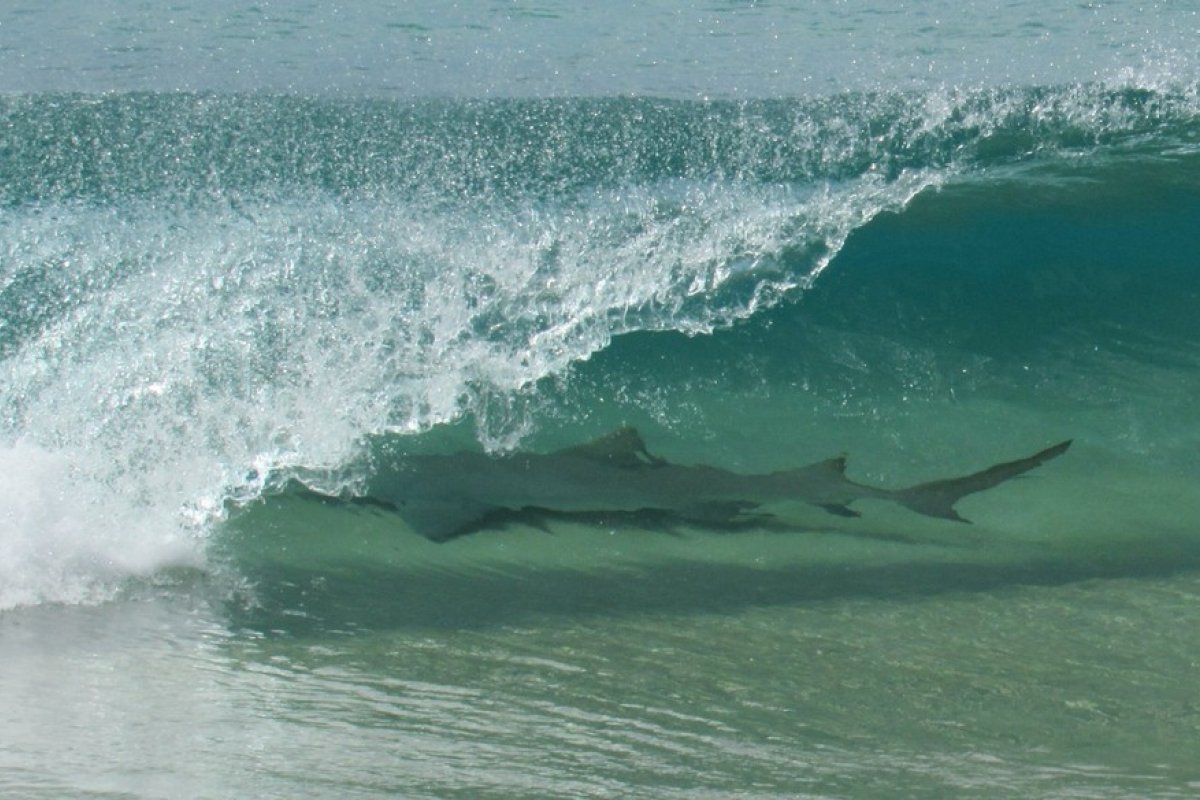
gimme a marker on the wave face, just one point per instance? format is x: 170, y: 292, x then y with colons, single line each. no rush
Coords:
x: 202, y: 296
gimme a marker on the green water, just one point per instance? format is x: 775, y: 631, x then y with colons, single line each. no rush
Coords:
x: 591, y: 664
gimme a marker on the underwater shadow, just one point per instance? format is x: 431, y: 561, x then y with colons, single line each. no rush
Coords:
x: 355, y: 597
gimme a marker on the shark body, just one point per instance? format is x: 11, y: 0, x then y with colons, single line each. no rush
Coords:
x: 446, y: 496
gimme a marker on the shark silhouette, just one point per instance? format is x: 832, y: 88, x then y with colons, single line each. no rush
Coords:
x: 446, y: 496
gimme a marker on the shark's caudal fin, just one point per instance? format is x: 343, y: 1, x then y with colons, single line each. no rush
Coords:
x: 937, y: 498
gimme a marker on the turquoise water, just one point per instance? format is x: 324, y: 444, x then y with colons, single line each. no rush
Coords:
x: 255, y: 256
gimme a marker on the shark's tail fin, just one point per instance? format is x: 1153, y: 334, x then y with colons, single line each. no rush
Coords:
x: 937, y: 498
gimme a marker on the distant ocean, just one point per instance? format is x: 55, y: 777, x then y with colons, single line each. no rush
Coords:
x: 253, y: 254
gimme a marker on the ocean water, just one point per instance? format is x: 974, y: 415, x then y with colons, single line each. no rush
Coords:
x: 252, y: 255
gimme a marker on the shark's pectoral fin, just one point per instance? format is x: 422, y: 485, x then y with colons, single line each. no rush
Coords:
x: 840, y: 509
x: 623, y: 448
x: 441, y: 521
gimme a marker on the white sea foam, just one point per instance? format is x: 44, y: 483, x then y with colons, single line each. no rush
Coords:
x: 69, y: 535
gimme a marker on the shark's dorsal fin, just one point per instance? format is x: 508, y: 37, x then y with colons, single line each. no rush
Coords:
x: 830, y: 468
x: 623, y: 447
x: 836, y: 464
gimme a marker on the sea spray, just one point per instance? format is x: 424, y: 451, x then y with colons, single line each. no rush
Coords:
x: 69, y: 533
x: 207, y: 294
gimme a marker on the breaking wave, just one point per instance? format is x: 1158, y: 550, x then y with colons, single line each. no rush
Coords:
x: 203, y: 295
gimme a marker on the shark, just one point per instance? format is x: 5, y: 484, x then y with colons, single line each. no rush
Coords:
x: 445, y: 496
